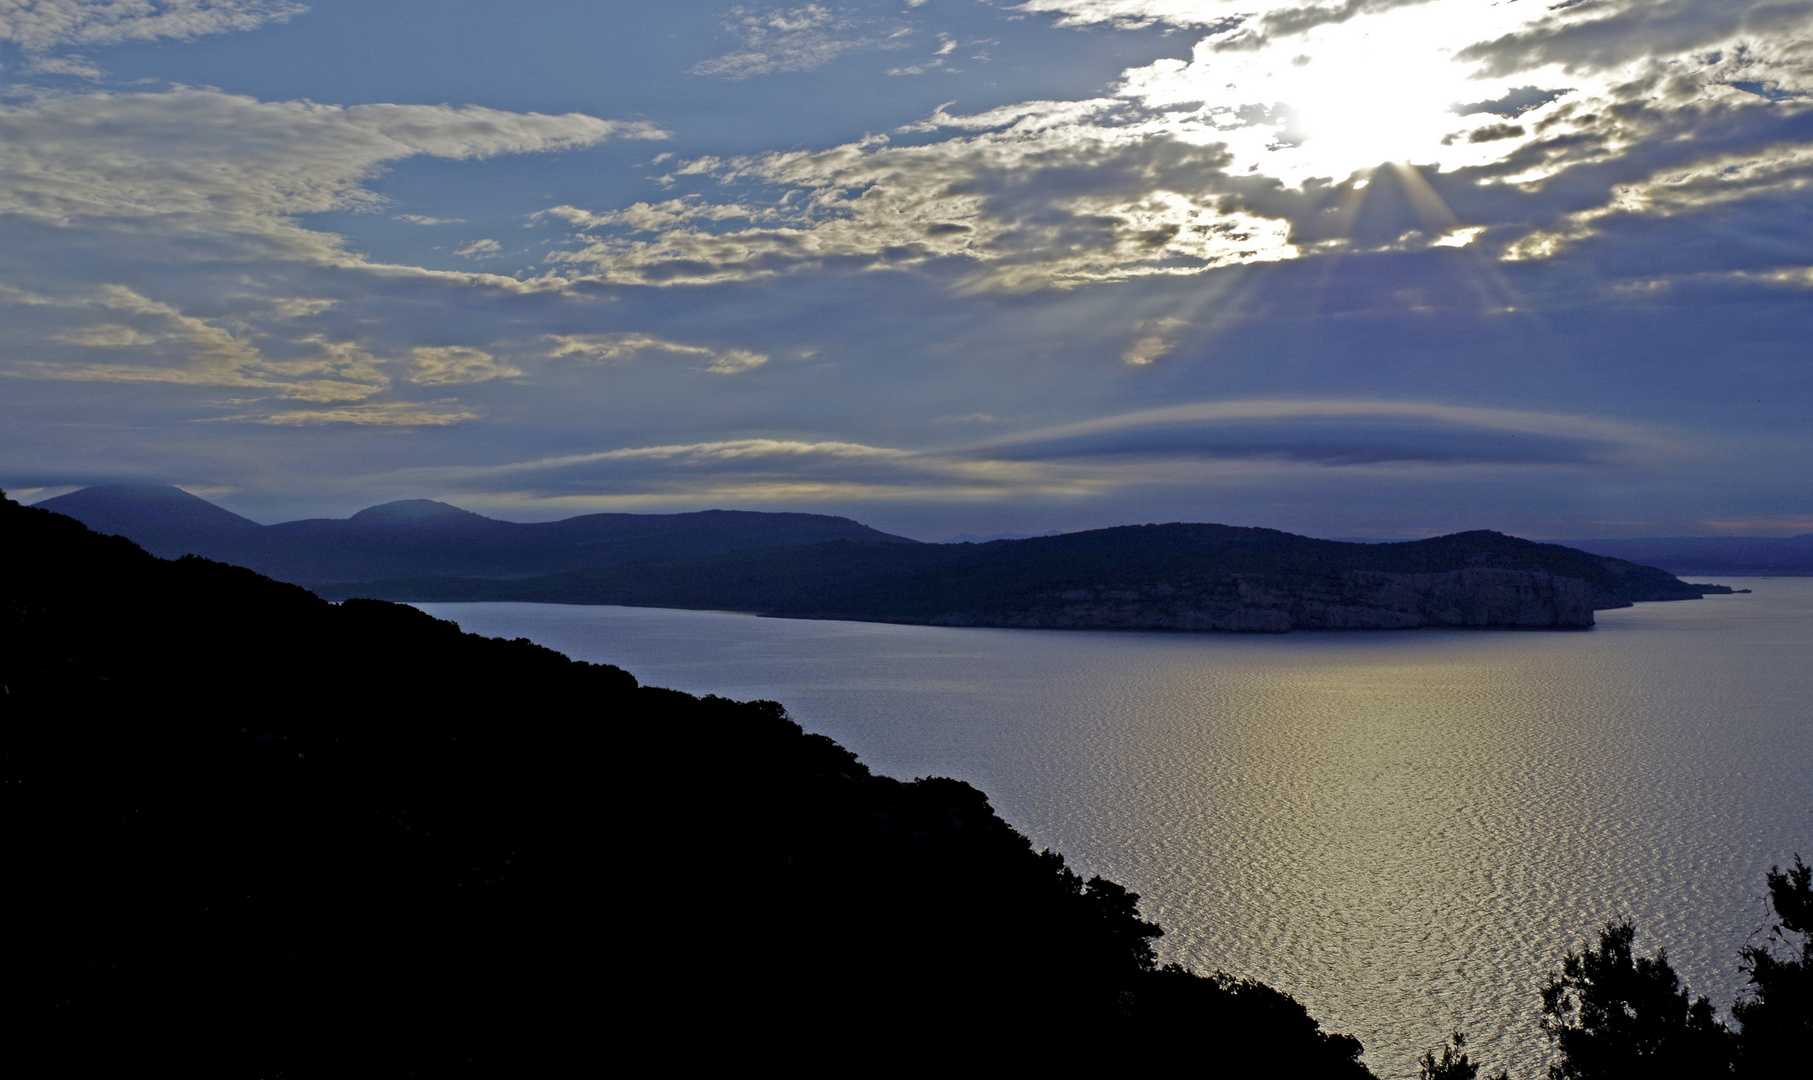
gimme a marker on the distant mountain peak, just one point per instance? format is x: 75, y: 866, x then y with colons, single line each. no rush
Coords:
x: 416, y: 512
x: 122, y: 507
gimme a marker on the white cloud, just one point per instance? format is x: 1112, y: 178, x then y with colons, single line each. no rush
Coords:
x: 206, y: 166
x: 606, y: 348
x: 441, y: 365
x: 47, y: 24
x: 77, y: 66
x: 480, y: 249
x: 801, y: 38
x: 1134, y: 13
x: 1030, y: 206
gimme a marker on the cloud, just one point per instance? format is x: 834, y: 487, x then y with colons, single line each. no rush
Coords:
x: 749, y: 470
x: 76, y: 66
x: 45, y: 24
x: 106, y: 336
x: 441, y: 365
x: 1157, y: 337
x: 388, y: 414
x: 182, y: 349
x: 1031, y: 206
x: 608, y: 348
x: 1261, y: 147
x: 1129, y: 13
x: 480, y: 249
x: 1229, y: 442
x: 1241, y: 21
x: 1611, y: 33
x: 1336, y: 434
x: 231, y: 171
x: 801, y: 38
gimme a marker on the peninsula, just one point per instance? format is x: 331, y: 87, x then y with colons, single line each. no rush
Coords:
x: 1143, y: 577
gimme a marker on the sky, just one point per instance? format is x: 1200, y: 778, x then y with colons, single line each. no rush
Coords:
x: 1358, y: 268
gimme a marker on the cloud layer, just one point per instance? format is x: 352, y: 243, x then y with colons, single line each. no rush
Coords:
x: 1369, y: 265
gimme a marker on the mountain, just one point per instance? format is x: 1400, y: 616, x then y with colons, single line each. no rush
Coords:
x: 422, y: 537
x: 267, y: 835
x: 162, y: 519
x: 1745, y: 556
x: 1169, y: 577
x: 972, y: 538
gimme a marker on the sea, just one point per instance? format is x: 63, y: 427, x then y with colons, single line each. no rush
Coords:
x: 1405, y: 830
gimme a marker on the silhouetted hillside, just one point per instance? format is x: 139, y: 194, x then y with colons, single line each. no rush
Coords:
x: 1178, y: 577
x: 256, y: 834
x: 419, y: 536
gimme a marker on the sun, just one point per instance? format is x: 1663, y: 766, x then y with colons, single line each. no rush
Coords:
x: 1346, y: 97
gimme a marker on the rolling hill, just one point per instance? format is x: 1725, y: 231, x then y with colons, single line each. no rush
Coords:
x: 423, y: 537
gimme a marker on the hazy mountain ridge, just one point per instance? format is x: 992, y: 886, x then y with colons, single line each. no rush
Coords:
x: 1177, y: 577
x: 420, y: 536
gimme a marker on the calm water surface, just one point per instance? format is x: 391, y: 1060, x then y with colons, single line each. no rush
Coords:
x: 1405, y: 830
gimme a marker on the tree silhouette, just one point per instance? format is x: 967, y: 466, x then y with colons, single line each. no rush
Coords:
x: 1777, y: 1010
x: 1454, y: 1063
x: 1613, y: 1015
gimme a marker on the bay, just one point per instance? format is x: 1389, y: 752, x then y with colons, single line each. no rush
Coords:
x: 1405, y: 830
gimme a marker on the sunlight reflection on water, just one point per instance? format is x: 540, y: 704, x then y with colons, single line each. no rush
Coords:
x: 1405, y: 830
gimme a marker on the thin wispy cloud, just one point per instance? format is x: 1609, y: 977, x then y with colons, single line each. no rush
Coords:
x: 798, y: 38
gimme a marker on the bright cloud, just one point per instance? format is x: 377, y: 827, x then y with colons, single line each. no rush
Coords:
x: 440, y: 365
x: 1258, y: 148
x: 47, y: 24
x: 236, y: 171
x: 605, y: 348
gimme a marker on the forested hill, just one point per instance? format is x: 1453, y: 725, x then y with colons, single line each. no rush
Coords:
x: 1178, y: 577
x: 263, y: 835
x: 421, y: 536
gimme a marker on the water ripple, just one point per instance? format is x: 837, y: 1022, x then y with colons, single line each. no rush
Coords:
x: 1404, y: 830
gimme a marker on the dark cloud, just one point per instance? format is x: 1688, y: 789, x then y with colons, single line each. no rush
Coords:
x: 1606, y: 33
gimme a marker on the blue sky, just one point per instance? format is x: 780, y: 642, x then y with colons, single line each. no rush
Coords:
x: 1369, y: 268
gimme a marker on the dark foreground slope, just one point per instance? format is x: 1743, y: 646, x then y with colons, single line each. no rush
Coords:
x: 262, y: 835
x: 420, y: 536
x: 1169, y: 577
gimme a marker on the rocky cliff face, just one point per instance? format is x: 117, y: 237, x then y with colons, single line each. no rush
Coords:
x: 1356, y: 600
